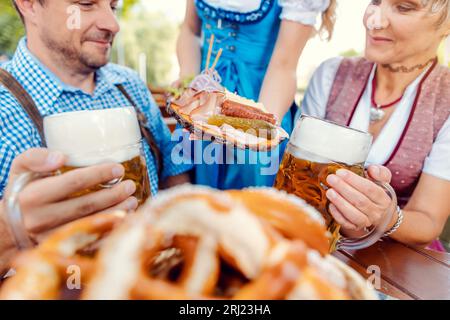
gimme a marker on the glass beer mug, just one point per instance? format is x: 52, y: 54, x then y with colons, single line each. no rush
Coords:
x: 93, y: 137
x: 318, y: 148
x: 87, y: 138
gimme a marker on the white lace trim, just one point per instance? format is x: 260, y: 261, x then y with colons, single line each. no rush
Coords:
x: 241, y: 6
x: 303, y: 11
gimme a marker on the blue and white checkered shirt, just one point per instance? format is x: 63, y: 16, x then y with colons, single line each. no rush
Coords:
x: 18, y: 133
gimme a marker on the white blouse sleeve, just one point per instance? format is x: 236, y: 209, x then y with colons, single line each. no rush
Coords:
x: 303, y: 11
x: 437, y: 163
x: 319, y: 88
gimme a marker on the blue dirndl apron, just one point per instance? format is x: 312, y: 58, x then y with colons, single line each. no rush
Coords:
x: 248, y: 41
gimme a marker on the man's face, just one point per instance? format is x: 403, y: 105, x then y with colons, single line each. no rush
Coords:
x: 80, y: 32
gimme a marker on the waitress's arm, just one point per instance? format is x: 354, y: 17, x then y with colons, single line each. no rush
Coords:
x: 426, y: 212
x: 188, y: 44
x: 280, y: 82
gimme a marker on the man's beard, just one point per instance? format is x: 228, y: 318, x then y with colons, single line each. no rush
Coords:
x: 77, y: 59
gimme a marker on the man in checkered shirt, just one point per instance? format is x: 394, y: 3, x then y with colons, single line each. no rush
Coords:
x: 66, y: 69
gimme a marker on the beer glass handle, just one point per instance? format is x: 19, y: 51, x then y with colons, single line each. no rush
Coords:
x: 14, y: 215
x: 377, y: 232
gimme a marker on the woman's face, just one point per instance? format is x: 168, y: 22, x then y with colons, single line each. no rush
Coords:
x: 402, y: 31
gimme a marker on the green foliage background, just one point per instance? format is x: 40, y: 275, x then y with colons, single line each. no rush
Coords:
x: 141, y: 32
x: 152, y: 34
x: 11, y: 28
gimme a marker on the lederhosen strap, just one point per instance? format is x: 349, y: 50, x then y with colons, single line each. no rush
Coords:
x: 27, y: 103
x: 145, y: 131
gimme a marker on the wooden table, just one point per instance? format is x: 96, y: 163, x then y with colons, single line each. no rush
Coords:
x: 406, y: 272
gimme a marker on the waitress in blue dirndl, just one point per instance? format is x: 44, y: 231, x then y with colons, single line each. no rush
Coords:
x: 262, y: 41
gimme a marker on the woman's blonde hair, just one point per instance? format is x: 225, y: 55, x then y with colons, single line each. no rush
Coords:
x: 441, y: 7
x: 328, y: 21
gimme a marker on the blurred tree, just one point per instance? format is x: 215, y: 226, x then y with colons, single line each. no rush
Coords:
x: 142, y: 32
x: 154, y: 35
x: 444, y: 52
x: 127, y: 5
x: 350, y: 53
x: 11, y: 28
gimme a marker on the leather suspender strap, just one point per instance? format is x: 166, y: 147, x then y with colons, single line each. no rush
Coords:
x: 27, y: 103
x: 146, y: 133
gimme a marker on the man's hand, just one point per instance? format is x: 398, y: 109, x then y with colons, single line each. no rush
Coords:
x: 46, y: 203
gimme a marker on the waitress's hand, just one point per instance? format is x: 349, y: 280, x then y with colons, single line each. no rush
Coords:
x: 176, y: 84
x: 357, y: 202
x: 177, y: 87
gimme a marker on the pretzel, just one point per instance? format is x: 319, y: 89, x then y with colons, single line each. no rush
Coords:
x: 283, y: 273
x: 321, y: 280
x: 193, y: 243
x: 42, y: 271
x: 278, y: 280
x: 203, y: 227
x: 288, y: 214
x: 191, y: 282
x: 136, y: 260
x: 240, y: 236
x: 178, y: 248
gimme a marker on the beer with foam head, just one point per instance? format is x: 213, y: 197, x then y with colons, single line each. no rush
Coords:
x: 318, y: 148
x: 93, y: 137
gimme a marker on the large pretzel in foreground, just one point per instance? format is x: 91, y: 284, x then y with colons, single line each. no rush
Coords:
x: 197, y: 243
x: 43, y: 271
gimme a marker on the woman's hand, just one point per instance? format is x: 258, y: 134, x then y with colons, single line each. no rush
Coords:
x: 357, y: 202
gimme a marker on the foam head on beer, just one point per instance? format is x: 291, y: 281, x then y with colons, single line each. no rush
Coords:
x: 330, y: 141
x: 94, y: 136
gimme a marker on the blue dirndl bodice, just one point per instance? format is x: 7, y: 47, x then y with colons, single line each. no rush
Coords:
x: 247, y: 40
